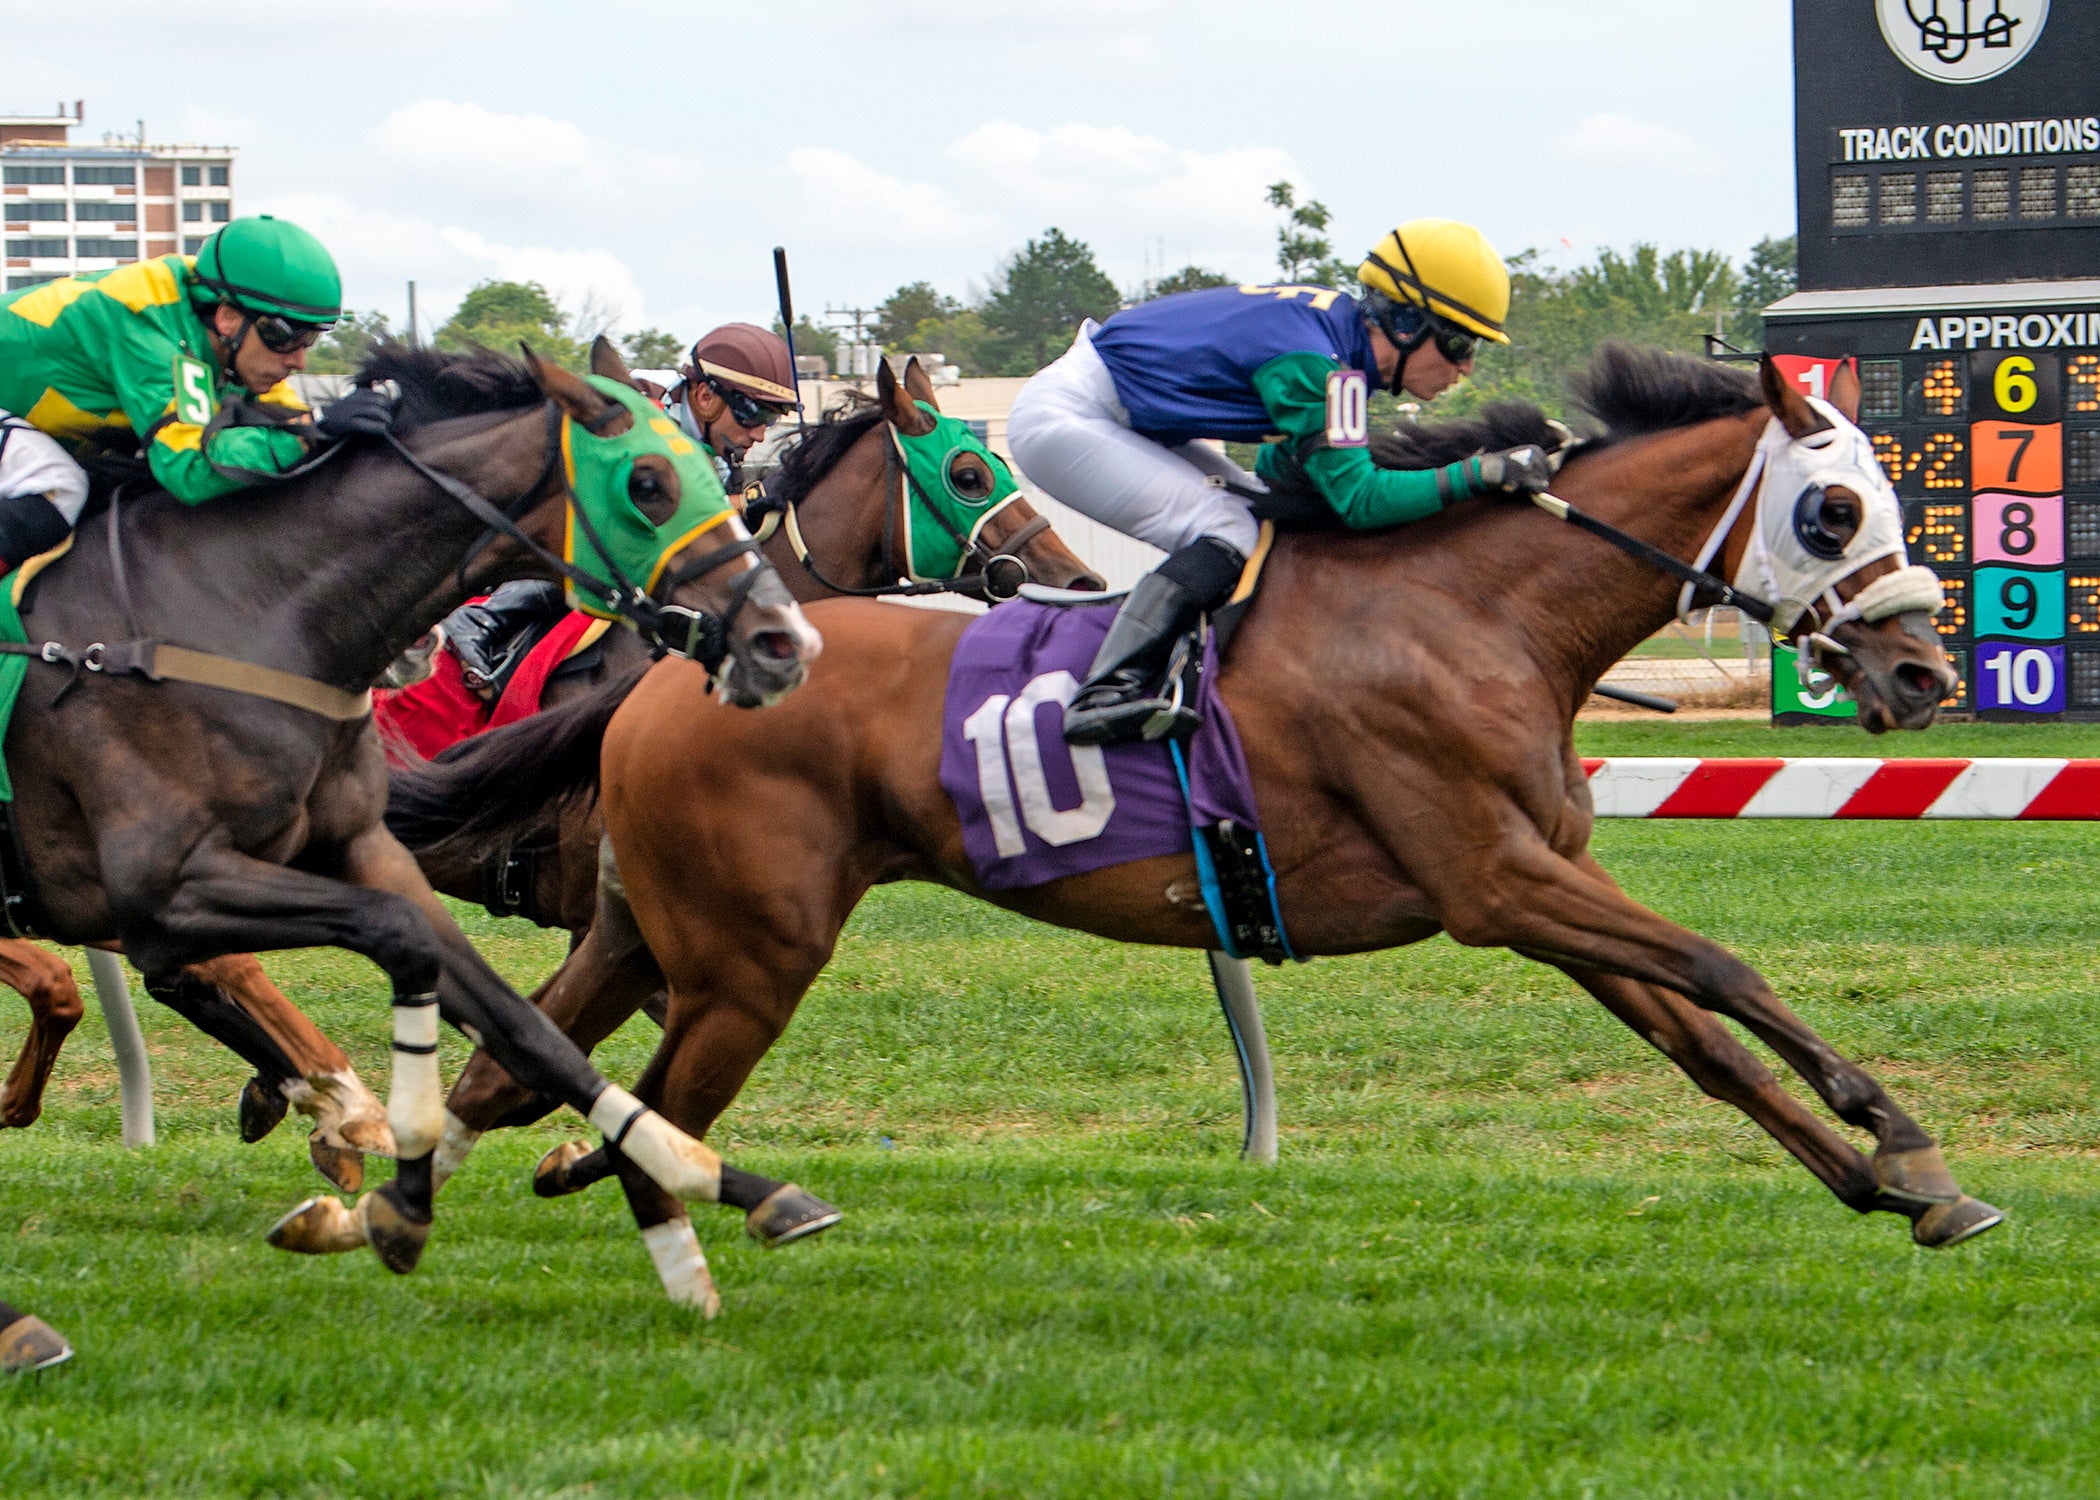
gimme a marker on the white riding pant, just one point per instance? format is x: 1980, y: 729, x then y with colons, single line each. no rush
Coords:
x: 1070, y: 434
x: 32, y: 464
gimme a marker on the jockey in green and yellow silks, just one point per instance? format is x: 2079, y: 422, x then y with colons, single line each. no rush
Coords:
x: 185, y: 358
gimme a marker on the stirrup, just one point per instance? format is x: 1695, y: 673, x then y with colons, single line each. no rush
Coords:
x: 1150, y: 717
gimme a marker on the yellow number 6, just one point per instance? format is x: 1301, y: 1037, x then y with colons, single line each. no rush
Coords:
x: 2014, y: 384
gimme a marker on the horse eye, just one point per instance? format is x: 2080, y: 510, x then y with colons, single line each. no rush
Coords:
x: 1817, y: 529
x: 646, y: 488
x: 969, y: 477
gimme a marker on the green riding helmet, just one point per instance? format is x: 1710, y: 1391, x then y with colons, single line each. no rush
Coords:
x: 267, y: 266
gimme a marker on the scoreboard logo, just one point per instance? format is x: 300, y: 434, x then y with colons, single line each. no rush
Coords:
x: 1961, y: 41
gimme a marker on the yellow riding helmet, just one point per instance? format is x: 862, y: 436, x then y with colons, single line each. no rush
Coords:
x: 1444, y: 266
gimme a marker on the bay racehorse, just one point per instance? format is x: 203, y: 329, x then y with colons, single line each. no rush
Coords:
x: 226, y: 795
x: 1406, y: 703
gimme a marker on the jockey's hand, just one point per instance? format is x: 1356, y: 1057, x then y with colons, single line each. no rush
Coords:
x: 365, y: 410
x: 1517, y: 471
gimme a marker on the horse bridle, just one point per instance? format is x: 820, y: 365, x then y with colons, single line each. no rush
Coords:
x: 1811, y: 625
x: 672, y: 629
x: 994, y: 580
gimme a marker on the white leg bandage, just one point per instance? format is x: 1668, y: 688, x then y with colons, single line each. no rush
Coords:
x: 685, y: 1168
x: 415, y: 1106
x: 681, y: 1266
x: 452, y: 1149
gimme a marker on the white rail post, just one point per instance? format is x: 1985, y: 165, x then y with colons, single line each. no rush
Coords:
x: 1250, y: 1045
x: 134, y: 1072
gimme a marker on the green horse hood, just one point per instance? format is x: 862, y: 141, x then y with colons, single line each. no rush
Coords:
x: 608, y: 535
x: 944, y: 520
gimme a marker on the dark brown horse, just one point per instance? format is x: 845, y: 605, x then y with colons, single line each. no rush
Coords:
x: 189, y: 821
x: 1406, y: 703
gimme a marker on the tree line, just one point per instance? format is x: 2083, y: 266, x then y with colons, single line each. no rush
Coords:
x: 1027, y: 310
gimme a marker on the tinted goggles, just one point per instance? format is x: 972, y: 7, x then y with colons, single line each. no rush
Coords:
x: 282, y: 335
x: 1456, y: 344
x: 743, y: 410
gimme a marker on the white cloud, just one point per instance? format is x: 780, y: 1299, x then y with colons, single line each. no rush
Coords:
x: 837, y: 194
x: 1115, y: 183
x: 478, y: 148
x: 575, y: 277
x: 1612, y: 140
x: 484, y: 153
x: 380, y: 252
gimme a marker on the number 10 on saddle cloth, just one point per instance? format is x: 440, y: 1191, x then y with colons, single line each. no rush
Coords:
x: 1035, y: 809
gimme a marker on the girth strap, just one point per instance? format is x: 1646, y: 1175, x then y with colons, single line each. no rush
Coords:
x: 157, y: 661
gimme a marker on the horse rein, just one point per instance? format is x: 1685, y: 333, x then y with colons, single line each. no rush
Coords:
x: 704, y: 637
x: 780, y: 515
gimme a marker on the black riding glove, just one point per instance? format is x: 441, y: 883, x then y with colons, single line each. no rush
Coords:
x: 1517, y: 471
x: 366, y: 410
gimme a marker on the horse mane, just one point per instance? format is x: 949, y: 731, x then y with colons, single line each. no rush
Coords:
x: 811, y: 454
x: 1629, y: 391
x: 1624, y: 392
x: 435, y: 385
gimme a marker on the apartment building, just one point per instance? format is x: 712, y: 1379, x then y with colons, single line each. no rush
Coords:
x: 72, y: 207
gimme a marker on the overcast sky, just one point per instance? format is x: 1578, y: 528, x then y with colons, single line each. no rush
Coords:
x: 655, y: 154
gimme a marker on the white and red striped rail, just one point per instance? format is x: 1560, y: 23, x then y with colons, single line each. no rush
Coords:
x: 2004, y: 789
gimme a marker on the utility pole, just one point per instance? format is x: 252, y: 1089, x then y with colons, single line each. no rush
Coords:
x: 854, y: 319
x: 413, y: 341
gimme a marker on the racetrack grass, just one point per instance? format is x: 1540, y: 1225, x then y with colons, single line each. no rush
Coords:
x: 1509, y: 1251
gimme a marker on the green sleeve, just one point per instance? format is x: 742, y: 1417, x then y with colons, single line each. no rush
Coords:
x: 1294, y: 389
x: 142, y: 364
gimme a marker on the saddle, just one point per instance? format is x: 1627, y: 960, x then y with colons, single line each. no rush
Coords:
x: 1232, y: 858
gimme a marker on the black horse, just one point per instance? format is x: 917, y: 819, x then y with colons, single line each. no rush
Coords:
x: 189, y: 820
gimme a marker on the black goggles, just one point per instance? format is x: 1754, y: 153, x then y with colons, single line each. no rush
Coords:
x: 282, y: 335
x: 1456, y: 344
x: 744, y: 410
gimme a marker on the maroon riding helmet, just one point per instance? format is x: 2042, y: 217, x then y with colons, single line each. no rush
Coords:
x: 749, y: 360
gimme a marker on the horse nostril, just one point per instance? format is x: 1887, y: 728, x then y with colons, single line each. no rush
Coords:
x: 776, y: 644
x: 1921, y: 682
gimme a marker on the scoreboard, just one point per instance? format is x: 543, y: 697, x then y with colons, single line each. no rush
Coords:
x: 1995, y: 454
x: 1948, y: 195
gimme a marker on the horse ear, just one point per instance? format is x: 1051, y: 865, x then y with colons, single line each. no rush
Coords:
x: 904, y: 413
x: 606, y: 361
x: 1787, y: 403
x: 918, y: 384
x: 1844, y: 390
x: 573, y: 395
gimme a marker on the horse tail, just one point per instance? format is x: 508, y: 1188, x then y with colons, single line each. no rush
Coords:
x: 494, y: 781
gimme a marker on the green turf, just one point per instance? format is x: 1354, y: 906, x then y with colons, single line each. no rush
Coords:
x: 1509, y: 1251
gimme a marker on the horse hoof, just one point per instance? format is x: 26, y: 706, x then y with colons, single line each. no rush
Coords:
x: 319, y: 1226
x: 262, y: 1106
x: 396, y: 1238
x: 550, y: 1179
x: 346, y: 1169
x: 370, y: 1135
x: 1947, y: 1224
x: 1919, y: 1175
x: 788, y: 1214
x: 29, y: 1344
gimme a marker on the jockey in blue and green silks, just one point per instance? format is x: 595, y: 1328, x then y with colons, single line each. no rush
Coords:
x: 1116, y: 429
x: 183, y: 357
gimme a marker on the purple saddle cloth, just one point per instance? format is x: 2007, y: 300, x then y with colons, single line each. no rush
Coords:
x: 1035, y: 809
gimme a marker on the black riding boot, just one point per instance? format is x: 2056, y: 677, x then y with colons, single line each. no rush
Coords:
x: 1123, y: 698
